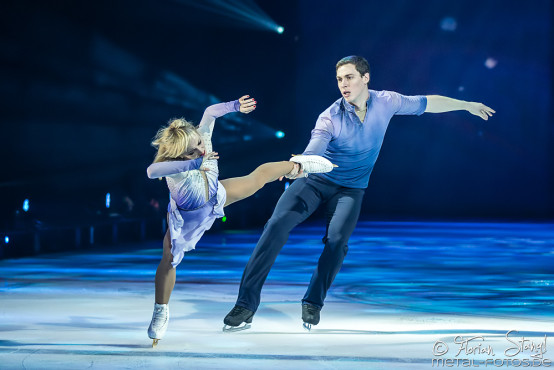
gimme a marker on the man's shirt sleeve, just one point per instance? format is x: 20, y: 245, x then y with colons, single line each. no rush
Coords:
x: 321, y: 136
x: 405, y: 104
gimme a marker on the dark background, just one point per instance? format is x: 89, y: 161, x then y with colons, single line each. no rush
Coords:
x: 85, y: 86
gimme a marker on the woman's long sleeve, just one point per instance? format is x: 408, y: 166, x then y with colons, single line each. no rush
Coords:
x: 215, y: 111
x: 162, y: 169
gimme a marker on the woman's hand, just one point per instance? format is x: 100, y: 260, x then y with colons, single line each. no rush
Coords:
x: 247, y: 105
x: 211, y: 155
x: 207, y: 157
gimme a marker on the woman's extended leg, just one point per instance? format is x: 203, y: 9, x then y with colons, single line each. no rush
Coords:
x: 165, y: 274
x: 238, y: 188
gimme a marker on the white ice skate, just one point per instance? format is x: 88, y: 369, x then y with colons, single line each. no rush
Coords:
x: 313, y: 163
x: 158, y: 326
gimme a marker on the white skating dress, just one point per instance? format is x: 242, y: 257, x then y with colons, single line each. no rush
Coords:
x: 191, y: 211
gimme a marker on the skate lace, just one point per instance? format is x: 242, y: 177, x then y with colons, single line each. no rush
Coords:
x: 312, y: 309
x: 237, y: 310
x: 314, y: 164
x: 159, y: 318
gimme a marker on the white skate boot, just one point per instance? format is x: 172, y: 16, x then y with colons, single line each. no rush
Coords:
x: 313, y: 163
x: 158, y: 326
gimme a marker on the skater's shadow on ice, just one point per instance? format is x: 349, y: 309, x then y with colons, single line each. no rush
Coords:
x: 434, y: 332
x: 11, y: 343
x: 273, y: 313
x: 208, y: 309
x: 91, y: 323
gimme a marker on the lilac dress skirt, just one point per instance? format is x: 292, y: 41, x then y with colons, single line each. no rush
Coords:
x: 187, y: 227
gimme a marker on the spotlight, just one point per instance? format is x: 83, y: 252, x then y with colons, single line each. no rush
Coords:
x: 224, y: 218
x: 26, y: 205
x: 449, y: 24
x: 108, y: 199
x: 490, y: 63
x: 7, y: 239
x: 244, y: 12
x: 287, y: 184
x: 279, y: 134
x: 280, y: 30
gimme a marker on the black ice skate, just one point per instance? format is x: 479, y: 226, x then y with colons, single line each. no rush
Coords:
x: 310, y: 315
x: 238, y: 319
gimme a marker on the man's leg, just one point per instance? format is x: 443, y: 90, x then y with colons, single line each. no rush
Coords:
x: 343, y: 211
x: 299, y: 201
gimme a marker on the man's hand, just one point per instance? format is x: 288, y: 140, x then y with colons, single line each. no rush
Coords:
x: 295, y: 173
x: 480, y: 110
x: 247, y: 105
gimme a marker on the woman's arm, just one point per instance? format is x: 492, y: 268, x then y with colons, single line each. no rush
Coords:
x: 162, y: 169
x: 243, y: 105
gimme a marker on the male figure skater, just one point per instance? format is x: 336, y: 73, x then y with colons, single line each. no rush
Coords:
x: 349, y: 133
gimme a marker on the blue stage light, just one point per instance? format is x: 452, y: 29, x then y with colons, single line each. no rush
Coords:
x: 26, y: 205
x: 279, y: 134
x: 449, y: 24
x: 108, y: 200
x: 7, y: 239
x: 287, y: 184
x: 245, y: 13
x: 280, y: 30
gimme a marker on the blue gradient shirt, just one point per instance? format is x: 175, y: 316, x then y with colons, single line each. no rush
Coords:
x: 354, y: 146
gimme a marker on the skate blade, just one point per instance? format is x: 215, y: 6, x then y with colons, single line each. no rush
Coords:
x: 155, y: 343
x: 230, y: 329
x: 307, y: 326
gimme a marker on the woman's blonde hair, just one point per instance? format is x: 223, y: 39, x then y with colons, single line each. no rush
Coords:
x: 172, y: 140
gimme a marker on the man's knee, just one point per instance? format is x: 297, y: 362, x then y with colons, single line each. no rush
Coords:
x: 337, y: 244
x: 278, y: 223
x: 275, y: 232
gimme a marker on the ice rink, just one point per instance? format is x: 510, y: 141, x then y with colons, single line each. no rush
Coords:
x: 409, y: 293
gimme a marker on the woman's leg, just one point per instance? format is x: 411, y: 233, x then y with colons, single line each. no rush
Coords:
x: 165, y: 274
x: 165, y: 281
x: 238, y: 188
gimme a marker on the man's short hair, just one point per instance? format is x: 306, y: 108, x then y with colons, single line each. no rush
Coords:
x: 360, y: 63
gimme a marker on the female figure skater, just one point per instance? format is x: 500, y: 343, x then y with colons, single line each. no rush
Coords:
x: 186, y: 160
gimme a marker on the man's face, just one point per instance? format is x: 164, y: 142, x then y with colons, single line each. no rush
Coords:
x: 351, y: 83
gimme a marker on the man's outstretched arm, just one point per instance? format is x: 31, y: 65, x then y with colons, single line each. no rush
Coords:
x: 440, y: 104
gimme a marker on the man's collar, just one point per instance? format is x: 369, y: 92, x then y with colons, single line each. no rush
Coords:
x: 350, y: 107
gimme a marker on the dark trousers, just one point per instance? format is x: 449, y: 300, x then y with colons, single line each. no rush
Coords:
x: 298, y: 202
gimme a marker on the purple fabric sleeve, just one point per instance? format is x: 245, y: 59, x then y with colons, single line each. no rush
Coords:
x: 216, y: 111
x: 405, y: 104
x: 162, y: 169
x: 321, y: 136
